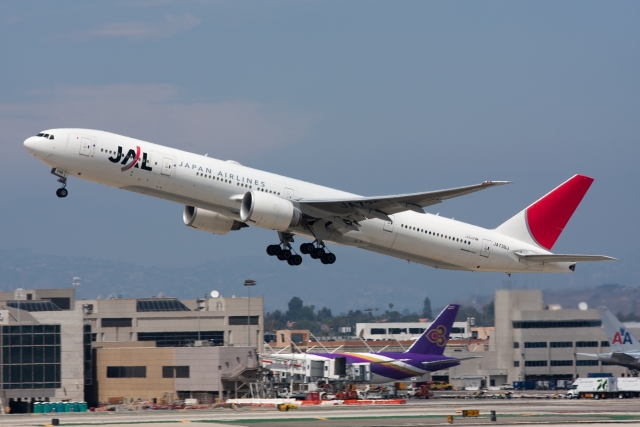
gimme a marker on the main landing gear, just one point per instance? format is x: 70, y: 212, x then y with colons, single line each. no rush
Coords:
x: 320, y: 252
x: 283, y: 251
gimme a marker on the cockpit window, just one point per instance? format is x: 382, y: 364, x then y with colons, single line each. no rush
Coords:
x: 46, y: 135
x: 50, y: 136
x: 40, y: 134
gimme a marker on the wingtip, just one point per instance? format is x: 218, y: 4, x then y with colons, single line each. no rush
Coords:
x: 496, y: 182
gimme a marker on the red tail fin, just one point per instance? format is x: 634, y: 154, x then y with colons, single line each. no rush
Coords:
x: 546, y: 218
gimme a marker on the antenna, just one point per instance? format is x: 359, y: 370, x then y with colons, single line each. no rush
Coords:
x: 214, y: 294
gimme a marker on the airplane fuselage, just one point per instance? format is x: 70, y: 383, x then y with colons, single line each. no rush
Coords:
x: 218, y: 186
x: 384, y: 367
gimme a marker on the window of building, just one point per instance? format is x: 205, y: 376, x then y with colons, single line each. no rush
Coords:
x: 116, y: 322
x: 516, y: 363
x: 562, y: 363
x: 535, y: 344
x: 242, y: 320
x: 64, y: 303
x: 457, y: 330
x: 586, y: 343
x: 126, y: 372
x: 544, y: 324
x: 30, y: 357
x: 416, y: 330
x: 516, y: 344
x: 297, y: 338
x: 604, y: 343
x: 378, y: 331
x: 168, y: 304
x: 88, y: 354
x: 586, y: 363
x: 560, y: 344
x: 396, y: 331
x: 175, y: 372
x: 535, y: 363
x: 181, y: 339
x: 34, y: 305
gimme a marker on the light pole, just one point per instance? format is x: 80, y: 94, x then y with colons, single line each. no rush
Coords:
x: 199, y: 307
x: 249, y: 283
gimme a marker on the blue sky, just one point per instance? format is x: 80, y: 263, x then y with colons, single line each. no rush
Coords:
x: 370, y: 97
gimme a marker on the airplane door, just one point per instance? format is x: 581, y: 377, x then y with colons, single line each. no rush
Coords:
x: 486, y: 248
x: 85, y: 146
x: 167, y: 166
x: 288, y: 193
x: 388, y: 225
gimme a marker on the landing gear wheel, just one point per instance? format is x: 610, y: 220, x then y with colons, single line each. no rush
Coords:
x: 62, y: 192
x: 313, y: 255
x: 285, y: 254
x: 296, y: 260
x: 290, y: 261
x: 306, y: 248
x: 318, y: 252
x: 329, y: 258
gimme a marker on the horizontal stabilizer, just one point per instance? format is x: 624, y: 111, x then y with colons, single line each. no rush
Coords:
x: 562, y: 257
x: 442, y: 362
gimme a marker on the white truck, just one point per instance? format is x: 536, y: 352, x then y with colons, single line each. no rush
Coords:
x: 603, y: 388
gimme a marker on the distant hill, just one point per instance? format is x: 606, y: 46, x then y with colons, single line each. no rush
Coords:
x: 618, y: 298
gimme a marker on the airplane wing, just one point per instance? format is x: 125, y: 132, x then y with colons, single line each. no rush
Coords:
x: 562, y: 257
x: 440, y: 362
x: 383, y: 206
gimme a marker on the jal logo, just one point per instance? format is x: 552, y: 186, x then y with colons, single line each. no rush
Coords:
x: 437, y: 336
x: 133, y: 156
x: 622, y: 337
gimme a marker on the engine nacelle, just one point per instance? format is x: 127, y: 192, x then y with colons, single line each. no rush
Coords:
x: 268, y: 211
x: 209, y: 221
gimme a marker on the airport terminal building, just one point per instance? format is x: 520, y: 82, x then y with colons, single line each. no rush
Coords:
x: 534, y: 342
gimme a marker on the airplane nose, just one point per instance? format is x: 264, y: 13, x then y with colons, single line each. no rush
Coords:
x: 30, y: 144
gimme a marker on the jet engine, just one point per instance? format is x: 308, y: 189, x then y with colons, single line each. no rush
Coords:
x: 268, y: 211
x: 209, y: 221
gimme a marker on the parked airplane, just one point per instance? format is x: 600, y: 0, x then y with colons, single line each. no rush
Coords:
x: 425, y: 355
x: 625, y: 348
x: 223, y: 196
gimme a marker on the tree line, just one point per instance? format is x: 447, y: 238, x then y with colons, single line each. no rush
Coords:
x: 323, y: 322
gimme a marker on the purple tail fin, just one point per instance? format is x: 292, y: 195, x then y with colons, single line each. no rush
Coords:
x: 435, y: 338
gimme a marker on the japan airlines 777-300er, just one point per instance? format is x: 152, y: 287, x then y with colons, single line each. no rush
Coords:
x: 221, y: 196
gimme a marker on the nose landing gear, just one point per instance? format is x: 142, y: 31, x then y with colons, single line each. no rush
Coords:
x: 62, y: 179
x: 320, y: 252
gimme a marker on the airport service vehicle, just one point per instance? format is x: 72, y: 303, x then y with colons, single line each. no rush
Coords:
x: 425, y: 355
x: 223, y: 196
x: 440, y: 385
x: 625, y: 348
x: 598, y: 388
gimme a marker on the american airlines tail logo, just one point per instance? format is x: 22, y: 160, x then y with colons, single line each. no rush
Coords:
x: 131, y: 154
x: 622, y: 337
x: 437, y: 336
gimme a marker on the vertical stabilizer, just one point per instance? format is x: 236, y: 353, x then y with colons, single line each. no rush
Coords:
x: 543, y: 221
x: 620, y: 338
x: 434, y: 339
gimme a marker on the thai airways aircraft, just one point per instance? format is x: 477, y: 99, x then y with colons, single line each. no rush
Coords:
x: 625, y: 348
x: 222, y: 196
x: 425, y: 355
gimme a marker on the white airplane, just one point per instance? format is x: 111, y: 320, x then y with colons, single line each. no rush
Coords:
x: 625, y: 348
x: 221, y: 196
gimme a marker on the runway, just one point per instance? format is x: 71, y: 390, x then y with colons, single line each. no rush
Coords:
x: 415, y: 413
